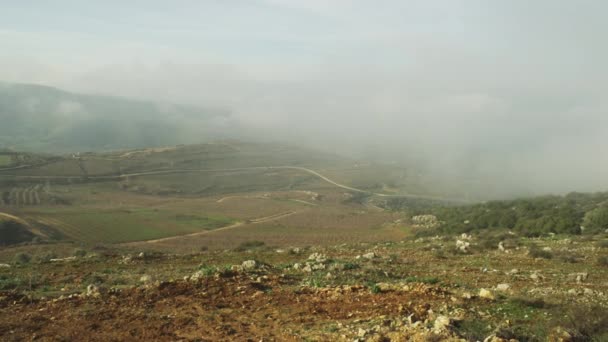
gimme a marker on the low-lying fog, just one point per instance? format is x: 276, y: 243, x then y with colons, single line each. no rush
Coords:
x: 508, y: 95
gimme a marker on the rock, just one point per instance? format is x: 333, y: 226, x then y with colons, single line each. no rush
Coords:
x: 442, y: 323
x: 307, y: 268
x: 72, y: 258
x: 426, y: 221
x: 465, y: 236
x: 503, y: 287
x: 370, y: 255
x: 559, y: 334
x: 486, y: 294
x: 317, y: 257
x: 5, y: 266
x: 146, y: 279
x: 196, y: 276
x: 547, y: 249
x: 467, y: 295
x: 295, y: 250
x: 329, y: 276
x: 249, y: 265
x: 578, y: 277
x: 236, y: 268
x: 93, y: 291
x: 536, y: 276
x: 501, y: 246
x: 513, y: 271
x: 463, y: 246
x: 573, y: 292
x: 587, y: 291
x: 297, y: 266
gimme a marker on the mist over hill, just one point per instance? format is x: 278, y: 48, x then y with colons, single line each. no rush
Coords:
x: 46, y: 119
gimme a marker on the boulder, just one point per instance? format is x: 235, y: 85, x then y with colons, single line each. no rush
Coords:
x: 5, y: 266
x: 486, y: 294
x: 249, y: 265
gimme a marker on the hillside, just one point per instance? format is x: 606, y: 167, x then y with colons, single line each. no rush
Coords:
x: 46, y: 119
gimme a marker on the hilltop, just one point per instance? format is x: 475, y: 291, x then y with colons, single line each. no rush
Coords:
x: 46, y: 119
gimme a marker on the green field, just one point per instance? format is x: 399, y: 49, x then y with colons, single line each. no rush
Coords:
x: 116, y: 226
x: 5, y: 160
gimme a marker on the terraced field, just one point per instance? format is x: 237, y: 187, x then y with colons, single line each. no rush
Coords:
x: 31, y: 195
x: 115, y: 226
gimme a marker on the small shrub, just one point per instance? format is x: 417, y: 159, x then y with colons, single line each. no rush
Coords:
x: 79, y: 253
x: 536, y: 252
x: 603, y: 260
x: 249, y: 245
x: 587, y: 323
x: 603, y: 244
x: 22, y: 258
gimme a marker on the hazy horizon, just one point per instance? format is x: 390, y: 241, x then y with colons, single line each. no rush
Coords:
x: 508, y: 95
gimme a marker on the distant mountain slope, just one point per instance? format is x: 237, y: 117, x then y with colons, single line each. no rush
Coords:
x: 42, y: 118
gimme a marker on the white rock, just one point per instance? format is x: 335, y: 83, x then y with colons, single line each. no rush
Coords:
x: 441, y: 323
x: 318, y: 257
x: 93, y: 291
x: 486, y: 294
x: 146, y: 279
x: 5, y: 266
x: 370, y: 255
x: 249, y: 264
x: 503, y: 287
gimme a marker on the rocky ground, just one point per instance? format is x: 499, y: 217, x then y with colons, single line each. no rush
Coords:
x: 431, y: 289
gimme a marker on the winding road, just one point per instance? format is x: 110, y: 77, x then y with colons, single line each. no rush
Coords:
x: 173, y: 171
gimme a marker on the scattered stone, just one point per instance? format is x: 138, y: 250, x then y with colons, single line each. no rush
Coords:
x: 5, y: 266
x: 72, y: 258
x: 297, y: 266
x: 442, y: 323
x: 146, y: 279
x: 536, y: 276
x: 501, y: 246
x: 578, y: 277
x: 463, y: 246
x: 467, y: 295
x: 587, y: 291
x: 93, y: 291
x: 547, y: 249
x: 318, y: 257
x: 486, y: 294
x: 249, y: 265
x: 503, y: 287
x: 370, y: 255
x: 426, y: 221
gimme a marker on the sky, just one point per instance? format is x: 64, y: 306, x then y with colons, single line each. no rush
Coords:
x: 505, y: 92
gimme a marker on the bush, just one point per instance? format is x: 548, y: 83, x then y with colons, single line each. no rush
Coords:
x: 603, y: 260
x: 22, y: 258
x: 79, y: 253
x: 587, y: 323
x: 249, y: 245
x: 536, y: 252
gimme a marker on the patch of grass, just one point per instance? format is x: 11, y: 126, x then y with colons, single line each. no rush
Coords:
x: 602, y: 260
x: 247, y: 245
x: 425, y: 280
x: 536, y: 252
x: 5, y: 160
x: 587, y: 323
x: 474, y: 330
x: 22, y: 258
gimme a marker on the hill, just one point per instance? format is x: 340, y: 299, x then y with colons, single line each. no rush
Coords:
x: 46, y: 119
